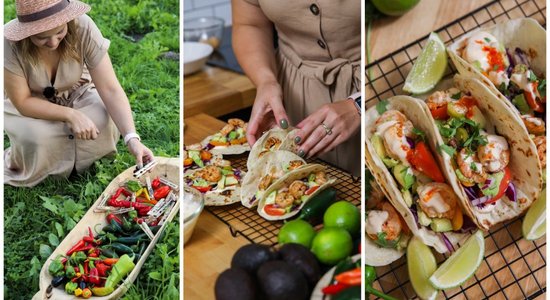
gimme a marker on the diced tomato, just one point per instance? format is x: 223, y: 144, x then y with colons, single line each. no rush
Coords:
x: 440, y: 113
x: 502, y: 187
x: 533, y: 103
x: 424, y: 161
x: 187, y: 162
x: 203, y: 189
x: 271, y: 210
x: 311, y: 190
x: 205, y: 155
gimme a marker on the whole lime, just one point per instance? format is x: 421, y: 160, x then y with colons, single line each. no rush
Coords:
x: 331, y: 245
x: 343, y: 214
x: 394, y: 7
x: 296, y: 231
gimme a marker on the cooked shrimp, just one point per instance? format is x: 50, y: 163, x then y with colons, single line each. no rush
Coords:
x: 227, y: 129
x: 265, y: 182
x: 320, y: 177
x: 534, y: 125
x: 437, y: 200
x: 236, y: 122
x: 295, y: 164
x: 438, y: 99
x: 391, y: 115
x: 284, y: 199
x: 297, y: 189
x: 540, y: 142
x: 390, y: 222
x: 272, y: 142
x: 196, y: 146
x: 211, y: 173
x: 395, y: 142
x: 219, y: 162
x: 470, y: 167
x: 494, y: 156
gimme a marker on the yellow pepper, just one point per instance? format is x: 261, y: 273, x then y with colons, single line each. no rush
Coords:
x: 78, y: 292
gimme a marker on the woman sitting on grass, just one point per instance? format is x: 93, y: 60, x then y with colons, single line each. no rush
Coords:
x: 60, y: 94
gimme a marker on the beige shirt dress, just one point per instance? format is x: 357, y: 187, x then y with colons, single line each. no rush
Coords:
x: 39, y: 148
x: 318, y: 61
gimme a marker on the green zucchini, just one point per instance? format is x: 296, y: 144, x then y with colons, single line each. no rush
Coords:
x: 314, y: 209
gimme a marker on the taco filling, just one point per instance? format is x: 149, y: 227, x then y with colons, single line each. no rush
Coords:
x: 233, y: 133
x: 268, y: 179
x: 404, y: 152
x: 214, y: 178
x: 480, y: 158
x: 386, y: 228
x: 510, y: 71
x: 195, y: 157
x: 289, y: 198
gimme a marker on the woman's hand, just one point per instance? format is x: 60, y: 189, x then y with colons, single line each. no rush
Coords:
x: 82, y: 127
x: 341, y: 121
x: 267, y: 112
x: 143, y: 154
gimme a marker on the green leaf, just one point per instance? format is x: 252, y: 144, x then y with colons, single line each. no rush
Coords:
x: 54, y: 241
x: 447, y: 149
x: 36, y: 266
x: 45, y: 251
x: 457, y: 96
x: 532, y: 76
x: 156, y: 276
x: 421, y: 134
x: 49, y: 204
x: 487, y: 40
x: 59, y: 229
x: 381, y: 106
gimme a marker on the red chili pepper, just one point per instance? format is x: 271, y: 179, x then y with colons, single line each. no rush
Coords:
x: 88, y: 239
x: 94, y: 276
x: 334, y: 289
x: 110, y: 261
x: 76, y: 247
x: 114, y: 217
x: 156, y: 183
x: 161, y: 192
x: 102, y: 268
x: 351, y: 277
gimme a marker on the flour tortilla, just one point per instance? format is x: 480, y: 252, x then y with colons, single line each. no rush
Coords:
x: 285, y: 181
x: 270, y: 163
x: 258, y: 149
x: 216, y: 197
x: 414, y: 110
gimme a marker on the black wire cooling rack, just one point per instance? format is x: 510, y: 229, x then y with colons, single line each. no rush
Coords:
x: 248, y: 223
x: 513, y: 268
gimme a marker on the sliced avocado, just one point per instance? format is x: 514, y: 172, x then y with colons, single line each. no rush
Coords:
x: 200, y: 182
x: 492, y: 190
x: 456, y: 110
x: 441, y: 225
x: 520, y: 102
x: 407, y: 197
x: 221, y: 183
x: 477, y: 116
x: 219, y: 138
x: 378, y: 144
x: 402, y: 175
x: 196, y: 157
x: 390, y: 162
x: 311, y: 177
x: 232, y: 135
x: 231, y: 180
x: 423, y: 219
x: 227, y: 171
x: 465, y: 181
x: 240, y: 133
x: 271, y: 198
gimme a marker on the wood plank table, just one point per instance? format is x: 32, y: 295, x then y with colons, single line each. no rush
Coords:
x: 217, y: 92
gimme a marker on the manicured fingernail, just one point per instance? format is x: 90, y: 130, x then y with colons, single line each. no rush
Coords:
x: 284, y: 124
x: 301, y: 153
x: 297, y: 140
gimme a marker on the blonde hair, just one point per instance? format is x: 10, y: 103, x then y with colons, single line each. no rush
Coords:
x: 68, y: 47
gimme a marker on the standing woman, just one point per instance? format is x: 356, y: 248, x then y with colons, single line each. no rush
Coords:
x: 61, y: 94
x: 311, y: 80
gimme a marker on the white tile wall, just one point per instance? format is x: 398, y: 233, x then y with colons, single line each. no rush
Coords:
x: 201, y: 8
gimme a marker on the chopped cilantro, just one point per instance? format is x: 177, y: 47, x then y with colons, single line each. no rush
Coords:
x: 457, y: 96
x: 447, y: 149
x: 421, y: 134
x: 542, y: 87
x: 495, y: 67
x: 487, y: 40
x: 473, y: 166
x: 382, y: 106
x: 532, y: 76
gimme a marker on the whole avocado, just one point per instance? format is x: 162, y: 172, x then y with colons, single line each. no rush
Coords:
x: 250, y: 257
x: 303, y: 259
x: 235, y: 283
x: 278, y: 280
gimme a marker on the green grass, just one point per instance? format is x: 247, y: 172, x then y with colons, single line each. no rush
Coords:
x: 37, y: 219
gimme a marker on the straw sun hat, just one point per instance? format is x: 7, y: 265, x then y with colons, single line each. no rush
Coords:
x: 36, y: 16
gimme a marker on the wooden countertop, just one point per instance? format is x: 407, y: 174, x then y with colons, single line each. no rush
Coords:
x: 217, y: 92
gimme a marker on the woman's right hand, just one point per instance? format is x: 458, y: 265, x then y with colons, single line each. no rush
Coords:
x: 82, y: 127
x: 267, y: 112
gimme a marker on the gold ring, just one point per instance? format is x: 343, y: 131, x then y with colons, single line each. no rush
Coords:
x: 328, y: 130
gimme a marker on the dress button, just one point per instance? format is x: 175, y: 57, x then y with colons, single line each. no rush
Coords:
x: 321, y: 44
x: 71, y: 136
x: 314, y: 9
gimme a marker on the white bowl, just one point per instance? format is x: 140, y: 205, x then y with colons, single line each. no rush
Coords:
x: 195, y: 56
x: 193, y: 204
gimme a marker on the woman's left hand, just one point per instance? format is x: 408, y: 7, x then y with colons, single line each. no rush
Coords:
x: 143, y: 154
x: 328, y: 127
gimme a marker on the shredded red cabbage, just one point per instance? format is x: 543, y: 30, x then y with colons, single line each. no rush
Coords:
x: 415, y: 215
x: 511, y: 192
x: 487, y: 183
x: 447, y: 243
x: 467, y: 225
x: 470, y: 192
x: 480, y: 201
x: 253, y: 199
x: 209, y: 146
x: 237, y: 173
x: 411, y: 142
x: 521, y: 57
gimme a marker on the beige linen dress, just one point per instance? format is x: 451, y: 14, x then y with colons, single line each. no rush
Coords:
x: 318, y: 61
x: 39, y: 148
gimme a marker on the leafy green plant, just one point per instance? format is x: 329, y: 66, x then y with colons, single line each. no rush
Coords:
x: 37, y: 219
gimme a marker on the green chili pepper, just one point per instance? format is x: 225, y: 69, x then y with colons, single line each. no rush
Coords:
x: 70, y: 287
x: 370, y: 276
x: 69, y: 271
x: 56, y: 267
x: 123, y: 266
x: 133, y: 185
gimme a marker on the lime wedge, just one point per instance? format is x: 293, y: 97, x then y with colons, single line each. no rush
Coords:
x: 421, y: 264
x: 534, y: 223
x: 460, y: 265
x: 428, y: 68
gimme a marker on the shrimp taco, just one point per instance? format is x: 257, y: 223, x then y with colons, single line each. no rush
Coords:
x: 488, y: 156
x: 509, y: 58
x: 270, y: 141
x: 288, y: 195
x: 195, y: 156
x: 231, y: 139
x: 220, y: 183
x: 387, y: 234
x: 267, y: 171
x: 400, y: 152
